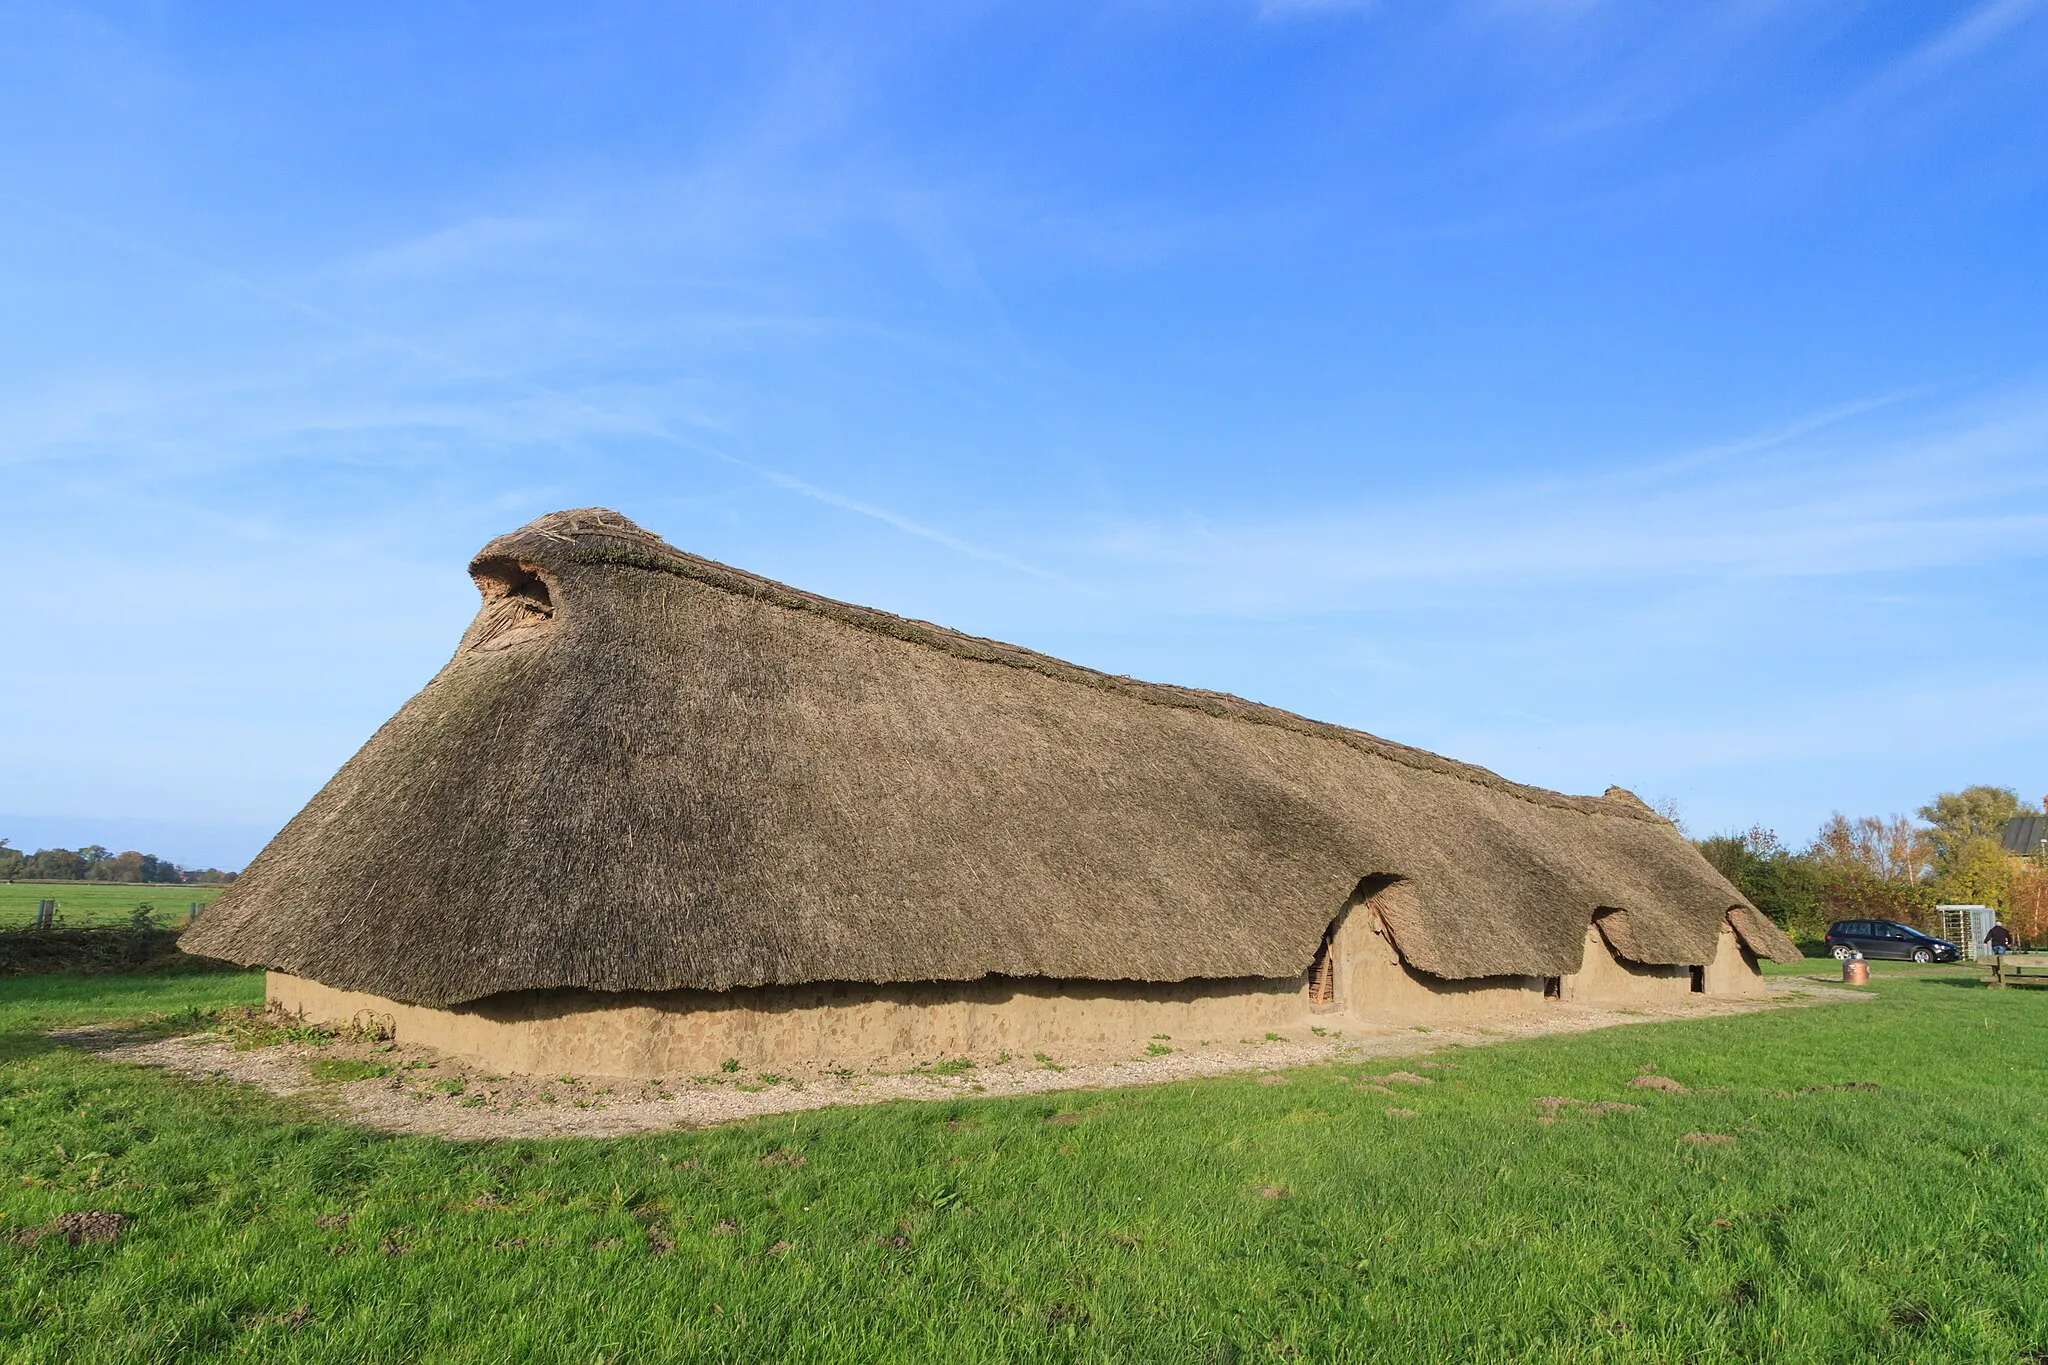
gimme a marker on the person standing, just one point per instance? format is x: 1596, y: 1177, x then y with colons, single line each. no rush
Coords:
x: 1999, y: 940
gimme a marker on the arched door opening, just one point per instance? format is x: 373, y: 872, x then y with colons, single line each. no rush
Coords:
x: 1328, y: 985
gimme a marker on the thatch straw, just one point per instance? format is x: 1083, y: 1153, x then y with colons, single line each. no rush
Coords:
x: 1762, y: 937
x: 643, y: 771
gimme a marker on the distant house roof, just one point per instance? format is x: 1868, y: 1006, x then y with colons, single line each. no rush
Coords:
x: 2023, y: 835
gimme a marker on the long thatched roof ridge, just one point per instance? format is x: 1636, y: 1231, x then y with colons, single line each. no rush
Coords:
x: 642, y: 770
x: 959, y: 644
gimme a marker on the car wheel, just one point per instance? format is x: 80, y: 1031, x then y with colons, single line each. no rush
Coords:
x: 1922, y: 956
x: 1844, y: 952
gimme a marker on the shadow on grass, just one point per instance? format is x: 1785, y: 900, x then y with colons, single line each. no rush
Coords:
x: 129, y: 1006
x: 21, y: 1044
x: 24, y: 1045
x: 1977, y: 984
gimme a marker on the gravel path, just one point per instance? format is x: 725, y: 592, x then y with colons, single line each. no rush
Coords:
x: 422, y: 1091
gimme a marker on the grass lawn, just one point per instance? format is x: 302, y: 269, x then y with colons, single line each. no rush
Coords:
x: 83, y: 903
x: 1216, y: 1221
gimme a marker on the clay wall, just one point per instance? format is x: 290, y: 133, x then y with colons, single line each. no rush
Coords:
x: 689, y: 1033
x: 891, y: 1027
x: 1734, y: 968
x: 1606, y: 978
x: 1377, y: 987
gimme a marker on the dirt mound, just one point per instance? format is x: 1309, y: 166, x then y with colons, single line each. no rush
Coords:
x: 92, y: 1225
x: 1553, y: 1104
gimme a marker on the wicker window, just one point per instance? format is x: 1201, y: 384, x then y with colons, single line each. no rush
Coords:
x: 1322, y: 978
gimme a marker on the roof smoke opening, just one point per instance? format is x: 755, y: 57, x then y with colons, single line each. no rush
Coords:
x: 497, y: 579
x: 518, y: 604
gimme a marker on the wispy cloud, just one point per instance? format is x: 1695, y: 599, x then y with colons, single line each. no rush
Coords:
x: 1741, y: 511
x: 1936, y: 65
x: 474, y: 242
x: 1962, y: 714
x: 1302, y: 9
x: 1960, y: 41
x: 571, y: 413
x: 1785, y: 434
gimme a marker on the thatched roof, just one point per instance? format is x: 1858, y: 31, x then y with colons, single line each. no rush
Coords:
x: 643, y: 770
x: 1762, y: 937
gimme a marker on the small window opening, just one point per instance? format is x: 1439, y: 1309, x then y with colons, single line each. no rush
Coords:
x: 1322, y: 977
x: 1553, y: 988
x: 1699, y: 980
x: 1322, y: 973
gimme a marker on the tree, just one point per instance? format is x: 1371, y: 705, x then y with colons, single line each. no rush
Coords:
x: 95, y: 863
x: 56, y: 864
x: 1978, y: 873
x: 1775, y: 880
x: 1894, y: 851
x: 118, y: 867
x: 1872, y: 868
x: 1956, y: 818
x: 2026, y: 910
x: 155, y: 869
x: 1668, y: 808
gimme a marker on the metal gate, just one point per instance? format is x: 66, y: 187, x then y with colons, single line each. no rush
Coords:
x: 1966, y: 925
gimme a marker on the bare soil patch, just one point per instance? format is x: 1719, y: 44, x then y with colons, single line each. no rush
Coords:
x: 77, y: 1229
x: 1553, y: 1105
x: 402, y: 1088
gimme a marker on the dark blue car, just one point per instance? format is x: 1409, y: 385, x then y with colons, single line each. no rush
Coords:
x: 1884, y: 938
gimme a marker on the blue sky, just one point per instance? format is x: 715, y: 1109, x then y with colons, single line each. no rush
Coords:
x: 1602, y: 392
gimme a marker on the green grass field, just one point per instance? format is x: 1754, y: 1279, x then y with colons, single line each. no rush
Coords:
x: 1215, y: 1221
x: 83, y: 903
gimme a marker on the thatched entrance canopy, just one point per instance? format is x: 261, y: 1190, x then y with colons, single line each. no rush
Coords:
x: 643, y: 770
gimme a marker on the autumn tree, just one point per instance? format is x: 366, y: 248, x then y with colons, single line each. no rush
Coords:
x: 95, y: 863
x: 1976, y: 873
x: 1894, y: 851
x: 116, y: 867
x: 2026, y: 909
x: 1955, y: 819
x: 1890, y: 868
x: 1872, y: 867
